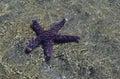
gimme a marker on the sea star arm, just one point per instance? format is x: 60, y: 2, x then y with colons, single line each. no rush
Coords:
x: 48, y: 49
x: 33, y: 44
x: 58, y: 26
x: 66, y: 38
x: 36, y: 27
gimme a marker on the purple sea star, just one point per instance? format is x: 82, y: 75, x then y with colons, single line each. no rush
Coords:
x: 47, y: 37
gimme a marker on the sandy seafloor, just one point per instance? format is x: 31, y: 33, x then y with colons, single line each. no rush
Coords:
x: 96, y: 56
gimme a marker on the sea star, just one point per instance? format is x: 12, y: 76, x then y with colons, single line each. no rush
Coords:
x: 47, y: 37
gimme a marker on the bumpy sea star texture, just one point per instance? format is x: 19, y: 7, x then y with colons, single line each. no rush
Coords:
x: 48, y: 37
